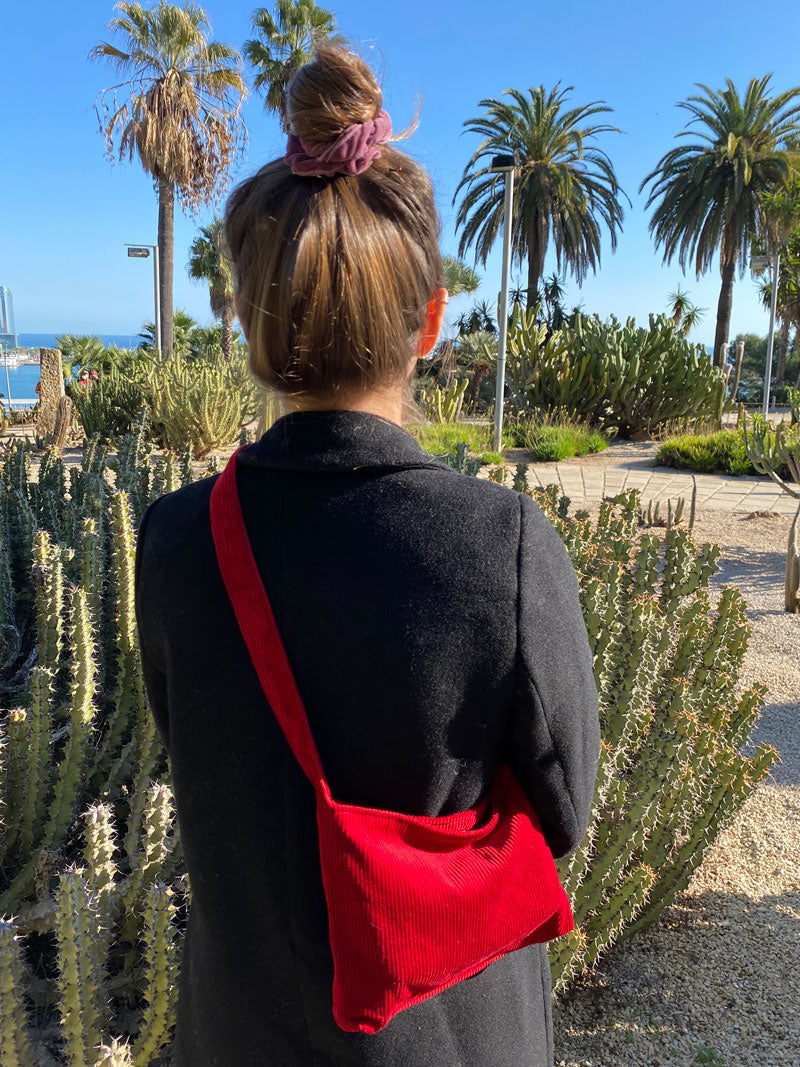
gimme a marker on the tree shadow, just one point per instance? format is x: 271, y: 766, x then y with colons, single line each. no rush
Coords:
x: 748, y: 568
x: 771, y: 729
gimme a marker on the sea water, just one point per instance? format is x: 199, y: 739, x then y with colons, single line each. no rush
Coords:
x: 20, y: 385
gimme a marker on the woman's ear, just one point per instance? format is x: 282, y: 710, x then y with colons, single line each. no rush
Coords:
x: 432, y: 327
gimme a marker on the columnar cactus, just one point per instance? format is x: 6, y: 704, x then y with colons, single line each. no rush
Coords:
x: 161, y: 975
x: 70, y: 770
x: 115, y: 1054
x: 129, y: 701
x: 147, y: 856
x: 444, y: 405
x: 82, y: 998
x: 15, y: 1042
x: 200, y: 402
x: 667, y: 663
x: 671, y: 773
x: 100, y: 869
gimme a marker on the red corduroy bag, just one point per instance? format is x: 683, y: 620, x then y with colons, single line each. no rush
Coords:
x: 415, y: 903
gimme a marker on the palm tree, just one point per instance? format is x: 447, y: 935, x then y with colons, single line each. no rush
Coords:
x: 209, y: 262
x: 184, y: 325
x: 457, y: 277
x: 685, y: 314
x: 709, y: 192
x: 478, y: 318
x: 788, y: 302
x: 285, y: 42
x: 564, y: 187
x: 782, y: 235
x: 181, y: 115
x: 477, y: 352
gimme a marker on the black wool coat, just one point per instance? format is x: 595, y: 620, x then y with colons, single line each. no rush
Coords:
x: 433, y: 627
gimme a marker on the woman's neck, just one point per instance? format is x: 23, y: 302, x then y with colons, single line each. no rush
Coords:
x: 389, y: 405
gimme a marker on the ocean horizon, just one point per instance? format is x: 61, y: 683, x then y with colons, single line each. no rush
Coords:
x: 48, y: 340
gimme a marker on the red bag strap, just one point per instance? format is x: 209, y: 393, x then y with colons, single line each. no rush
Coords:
x: 257, y: 623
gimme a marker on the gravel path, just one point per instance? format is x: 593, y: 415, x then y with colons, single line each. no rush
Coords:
x: 716, y: 981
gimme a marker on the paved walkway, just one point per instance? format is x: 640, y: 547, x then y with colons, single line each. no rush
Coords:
x: 621, y: 466
x: 592, y: 478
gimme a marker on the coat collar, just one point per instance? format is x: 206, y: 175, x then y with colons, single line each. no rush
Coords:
x: 336, y: 440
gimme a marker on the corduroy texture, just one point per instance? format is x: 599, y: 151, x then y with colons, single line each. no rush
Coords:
x: 415, y: 903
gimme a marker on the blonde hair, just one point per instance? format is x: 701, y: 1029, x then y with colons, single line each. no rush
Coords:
x: 333, y: 275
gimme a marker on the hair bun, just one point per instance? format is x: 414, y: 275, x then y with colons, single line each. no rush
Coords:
x: 334, y: 91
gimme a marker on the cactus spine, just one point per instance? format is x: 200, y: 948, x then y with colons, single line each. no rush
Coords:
x: 15, y: 1043
x: 82, y: 998
x: 161, y: 975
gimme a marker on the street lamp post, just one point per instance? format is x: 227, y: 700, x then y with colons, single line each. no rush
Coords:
x: 758, y: 265
x: 503, y: 165
x: 142, y: 252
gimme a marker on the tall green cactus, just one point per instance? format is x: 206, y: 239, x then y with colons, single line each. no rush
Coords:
x: 770, y: 453
x: 622, y: 377
x: 83, y: 1001
x: 199, y: 402
x: 161, y: 974
x: 86, y: 803
x: 443, y: 405
x: 15, y: 1042
x: 673, y: 722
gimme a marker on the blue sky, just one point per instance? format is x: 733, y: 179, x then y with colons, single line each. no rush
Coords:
x: 66, y: 212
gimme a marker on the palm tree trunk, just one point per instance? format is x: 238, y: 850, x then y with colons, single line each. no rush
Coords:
x: 536, y: 252
x: 166, y: 252
x: 227, y: 332
x: 477, y: 375
x: 724, y: 306
x: 783, y: 348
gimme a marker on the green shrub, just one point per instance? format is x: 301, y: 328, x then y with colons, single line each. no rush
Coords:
x: 443, y: 437
x: 553, y: 441
x: 93, y: 889
x: 721, y: 452
x: 624, y: 378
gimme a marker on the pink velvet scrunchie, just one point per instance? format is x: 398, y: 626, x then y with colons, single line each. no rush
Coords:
x: 351, y: 153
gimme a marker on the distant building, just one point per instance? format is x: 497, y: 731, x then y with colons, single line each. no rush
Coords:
x: 8, y: 334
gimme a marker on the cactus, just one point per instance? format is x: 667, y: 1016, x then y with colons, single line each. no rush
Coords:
x: 161, y: 975
x: 15, y: 1042
x: 653, y: 516
x: 770, y: 453
x: 443, y: 405
x: 671, y: 774
x: 667, y: 663
x: 82, y: 998
x: 110, y: 406
x: 101, y: 872
x: 115, y: 1054
x: 627, y: 378
x: 128, y: 705
x: 520, y: 484
x: 459, y: 459
x: 200, y: 402
x: 156, y: 845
